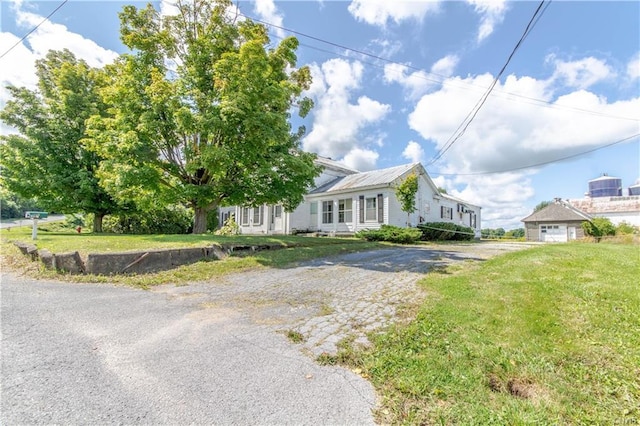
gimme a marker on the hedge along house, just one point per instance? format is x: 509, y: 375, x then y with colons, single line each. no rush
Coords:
x: 557, y: 222
x: 346, y: 201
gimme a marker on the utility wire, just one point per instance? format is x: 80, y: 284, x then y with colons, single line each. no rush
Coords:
x: 540, y: 164
x: 35, y: 28
x: 421, y: 73
x: 462, y: 128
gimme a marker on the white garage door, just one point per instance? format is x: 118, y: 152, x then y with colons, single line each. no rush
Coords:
x: 553, y: 233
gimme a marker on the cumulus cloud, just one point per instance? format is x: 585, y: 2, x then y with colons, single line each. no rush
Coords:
x: 267, y: 11
x: 491, y: 14
x: 417, y: 83
x: 512, y: 132
x: 379, y: 12
x: 446, y: 65
x: 48, y: 36
x: 581, y: 74
x: 337, y: 119
x: 633, y: 67
x: 361, y: 159
x: 413, y: 152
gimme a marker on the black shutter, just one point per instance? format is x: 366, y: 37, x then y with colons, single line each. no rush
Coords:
x: 380, y: 209
x: 442, y: 212
x: 362, y: 207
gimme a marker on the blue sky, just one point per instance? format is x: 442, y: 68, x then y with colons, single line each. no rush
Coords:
x: 394, y: 80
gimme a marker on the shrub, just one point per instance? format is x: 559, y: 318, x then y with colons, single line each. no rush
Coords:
x: 445, y: 231
x: 392, y: 234
x: 625, y: 228
x: 599, y: 227
x: 169, y: 220
x: 230, y: 227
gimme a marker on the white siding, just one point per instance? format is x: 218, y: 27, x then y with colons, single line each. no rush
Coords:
x: 300, y: 219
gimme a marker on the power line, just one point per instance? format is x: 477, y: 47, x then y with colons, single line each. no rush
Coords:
x: 540, y: 164
x: 462, y: 128
x: 34, y: 28
x: 423, y: 74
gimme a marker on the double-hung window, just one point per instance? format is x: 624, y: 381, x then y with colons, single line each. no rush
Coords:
x: 257, y: 215
x: 446, y: 212
x: 327, y: 212
x: 245, y: 215
x: 371, y: 209
x: 345, y: 210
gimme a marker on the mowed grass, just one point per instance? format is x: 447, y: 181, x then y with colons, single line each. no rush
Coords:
x: 549, y: 335
x: 293, y: 249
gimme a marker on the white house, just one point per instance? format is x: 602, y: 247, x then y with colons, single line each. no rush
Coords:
x: 345, y: 201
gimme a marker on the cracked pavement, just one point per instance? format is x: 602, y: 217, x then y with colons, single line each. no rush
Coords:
x: 207, y: 352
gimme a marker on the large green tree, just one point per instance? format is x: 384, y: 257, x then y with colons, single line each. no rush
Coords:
x: 200, y: 112
x: 47, y: 159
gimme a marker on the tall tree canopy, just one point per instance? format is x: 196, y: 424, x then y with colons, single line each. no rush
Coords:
x: 48, y: 160
x: 199, y: 112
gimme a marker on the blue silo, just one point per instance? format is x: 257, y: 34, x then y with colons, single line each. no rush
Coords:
x: 605, y: 186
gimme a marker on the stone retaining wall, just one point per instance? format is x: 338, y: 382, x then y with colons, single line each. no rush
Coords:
x: 134, y: 262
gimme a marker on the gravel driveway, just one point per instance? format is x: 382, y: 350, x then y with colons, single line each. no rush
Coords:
x: 209, y: 352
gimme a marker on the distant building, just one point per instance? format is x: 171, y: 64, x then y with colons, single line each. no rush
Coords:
x: 558, y: 222
x: 605, y: 186
x: 605, y: 199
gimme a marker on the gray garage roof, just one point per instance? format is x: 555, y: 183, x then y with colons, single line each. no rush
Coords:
x: 365, y: 179
x: 557, y: 212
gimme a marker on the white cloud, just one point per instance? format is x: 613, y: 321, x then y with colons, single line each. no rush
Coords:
x: 413, y: 152
x: 417, y: 83
x: 633, y: 67
x: 379, y: 12
x: 268, y: 12
x: 48, y: 36
x: 361, y: 159
x: 337, y: 121
x: 52, y: 36
x: 514, y: 132
x: 491, y: 14
x: 446, y: 65
x: 583, y: 73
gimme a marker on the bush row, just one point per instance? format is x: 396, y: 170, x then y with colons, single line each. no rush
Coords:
x: 392, y: 234
x: 445, y: 231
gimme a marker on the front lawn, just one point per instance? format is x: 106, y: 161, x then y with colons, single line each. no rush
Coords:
x: 294, y: 249
x: 549, y: 335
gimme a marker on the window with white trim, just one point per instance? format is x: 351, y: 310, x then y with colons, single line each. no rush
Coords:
x: 327, y: 212
x: 371, y: 209
x: 277, y: 213
x: 257, y: 216
x: 345, y: 210
x: 446, y: 212
x: 245, y: 215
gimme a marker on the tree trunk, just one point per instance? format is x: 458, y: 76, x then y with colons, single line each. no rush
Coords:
x: 97, y: 222
x: 200, y: 220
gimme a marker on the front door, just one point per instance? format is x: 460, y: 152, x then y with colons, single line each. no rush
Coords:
x: 276, y: 219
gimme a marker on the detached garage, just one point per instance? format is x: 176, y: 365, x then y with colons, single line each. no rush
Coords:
x: 558, y: 222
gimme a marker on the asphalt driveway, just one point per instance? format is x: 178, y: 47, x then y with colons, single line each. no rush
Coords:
x: 205, y: 353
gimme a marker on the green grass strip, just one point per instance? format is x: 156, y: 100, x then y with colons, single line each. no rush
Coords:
x: 549, y: 335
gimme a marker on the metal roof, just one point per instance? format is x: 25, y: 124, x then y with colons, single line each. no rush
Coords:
x: 334, y: 165
x: 604, y: 177
x: 365, y: 179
